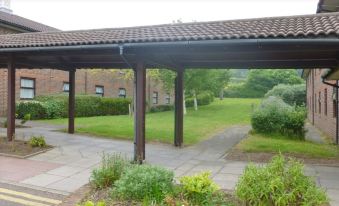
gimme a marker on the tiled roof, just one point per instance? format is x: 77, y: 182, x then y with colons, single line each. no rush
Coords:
x: 23, y: 23
x: 307, y: 26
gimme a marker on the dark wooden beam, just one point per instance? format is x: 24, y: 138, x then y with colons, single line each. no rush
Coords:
x: 139, y: 112
x: 71, y: 101
x: 11, y: 99
x: 179, y: 109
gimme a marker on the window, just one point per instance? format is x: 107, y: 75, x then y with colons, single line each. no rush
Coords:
x: 155, y: 97
x: 65, y: 87
x: 99, y: 90
x: 319, y: 100
x: 315, y: 104
x: 122, y: 93
x: 167, y: 98
x: 27, y: 88
x: 325, y: 102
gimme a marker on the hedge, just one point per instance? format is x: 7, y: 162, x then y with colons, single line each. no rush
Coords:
x: 275, y: 116
x: 161, y: 108
x: 204, y: 98
x: 56, y: 106
x: 291, y: 94
x: 242, y: 91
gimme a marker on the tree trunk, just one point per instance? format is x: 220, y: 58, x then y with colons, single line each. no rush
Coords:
x: 195, y: 101
x: 221, y: 95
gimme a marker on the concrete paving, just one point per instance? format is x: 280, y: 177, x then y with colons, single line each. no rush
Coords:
x: 77, y: 155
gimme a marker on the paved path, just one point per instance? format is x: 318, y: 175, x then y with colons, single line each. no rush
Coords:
x: 75, y: 156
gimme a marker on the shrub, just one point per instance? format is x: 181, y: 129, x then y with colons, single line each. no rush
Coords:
x: 275, y: 116
x: 291, y: 94
x: 90, y: 203
x: 26, y: 118
x: 37, y: 141
x: 161, y: 108
x: 241, y: 91
x: 35, y: 108
x: 114, y: 106
x: 145, y: 182
x: 112, y: 167
x: 280, y: 182
x: 199, y: 189
x: 204, y: 98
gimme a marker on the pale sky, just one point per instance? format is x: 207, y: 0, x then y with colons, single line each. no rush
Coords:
x: 87, y: 14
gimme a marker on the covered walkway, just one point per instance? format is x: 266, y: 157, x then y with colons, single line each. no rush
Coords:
x: 309, y: 41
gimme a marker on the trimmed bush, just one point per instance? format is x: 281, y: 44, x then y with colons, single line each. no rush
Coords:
x: 56, y: 106
x: 114, y: 106
x: 36, y: 109
x: 241, y: 91
x: 291, y: 94
x: 204, y: 98
x: 112, y: 167
x: 161, y: 108
x: 275, y: 116
x: 280, y: 182
x: 145, y: 182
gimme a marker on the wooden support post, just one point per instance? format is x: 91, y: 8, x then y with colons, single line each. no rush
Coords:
x: 139, y: 112
x: 71, y: 101
x: 179, y: 109
x: 11, y: 99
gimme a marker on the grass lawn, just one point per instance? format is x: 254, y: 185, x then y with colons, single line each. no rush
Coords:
x: 278, y: 143
x: 198, y: 125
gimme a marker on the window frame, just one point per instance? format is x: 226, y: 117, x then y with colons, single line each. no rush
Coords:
x: 167, y: 98
x: 63, y: 87
x: 122, y: 96
x: 30, y: 88
x: 103, y: 90
x: 155, y: 99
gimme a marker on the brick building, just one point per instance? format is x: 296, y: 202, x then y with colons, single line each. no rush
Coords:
x: 322, y: 90
x: 322, y: 105
x: 33, y: 82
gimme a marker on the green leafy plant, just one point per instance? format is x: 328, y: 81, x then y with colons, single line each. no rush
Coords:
x: 280, y: 182
x: 203, y: 98
x: 161, y: 108
x: 144, y: 182
x: 291, y: 94
x: 275, y: 116
x: 112, y: 167
x: 37, y: 141
x: 199, y: 188
x: 91, y: 203
x: 26, y: 118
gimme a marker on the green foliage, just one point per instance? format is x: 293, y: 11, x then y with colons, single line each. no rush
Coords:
x: 260, y: 81
x: 145, y: 182
x: 112, y: 167
x: 114, y: 106
x: 241, y: 90
x: 280, y: 182
x: 275, y: 116
x: 26, y: 118
x: 291, y: 94
x: 56, y: 106
x: 91, y: 203
x: 161, y: 108
x: 37, y: 141
x: 199, y: 189
x: 36, y: 109
x: 203, y: 98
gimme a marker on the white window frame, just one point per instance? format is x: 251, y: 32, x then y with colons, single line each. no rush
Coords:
x: 122, y: 94
x: 65, y: 88
x: 27, y: 88
x: 99, y: 93
x: 155, y: 97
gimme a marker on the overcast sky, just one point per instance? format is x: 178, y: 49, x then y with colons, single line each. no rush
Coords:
x: 91, y: 14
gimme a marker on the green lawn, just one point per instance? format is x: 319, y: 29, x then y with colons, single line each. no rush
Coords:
x: 198, y: 125
x: 278, y: 143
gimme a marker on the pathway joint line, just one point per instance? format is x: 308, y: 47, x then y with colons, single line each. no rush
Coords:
x: 30, y: 196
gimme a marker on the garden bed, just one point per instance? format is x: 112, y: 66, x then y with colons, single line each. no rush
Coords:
x: 20, y: 149
x: 261, y: 148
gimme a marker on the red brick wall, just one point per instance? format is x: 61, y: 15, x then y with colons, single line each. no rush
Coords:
x: 316, y: 107
x: 49, y: 81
